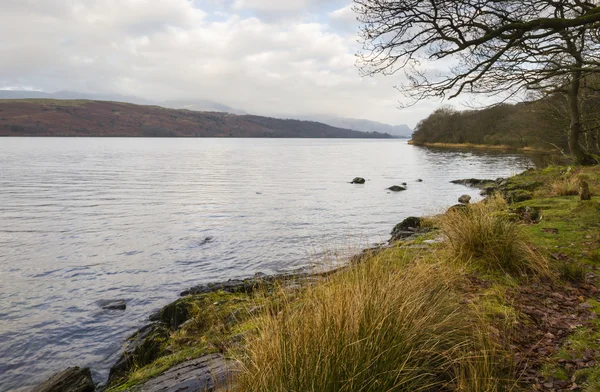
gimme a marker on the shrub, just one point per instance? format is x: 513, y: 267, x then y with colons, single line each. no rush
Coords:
x: 484, y: 233
x: 375, y: 327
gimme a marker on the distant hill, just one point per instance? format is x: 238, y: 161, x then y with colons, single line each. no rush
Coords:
x: 51, y: 117
x: 402, y: 130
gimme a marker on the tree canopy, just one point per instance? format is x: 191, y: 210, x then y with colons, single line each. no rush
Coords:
x: 498, y: 47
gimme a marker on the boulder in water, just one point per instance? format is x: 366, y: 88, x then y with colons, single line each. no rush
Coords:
x: 358, y: 180
x: 397, y: 188
x: 113, y: 304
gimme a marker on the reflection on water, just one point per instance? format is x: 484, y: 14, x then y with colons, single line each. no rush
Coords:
x: 89, y: 220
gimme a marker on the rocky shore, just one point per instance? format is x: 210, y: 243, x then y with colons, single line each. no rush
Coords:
x: 191, y: 343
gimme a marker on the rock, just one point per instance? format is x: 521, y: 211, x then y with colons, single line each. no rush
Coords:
x: 404, y: 184
x: 140, y: 349
x: 176, y: 313
x: 419, y: 180
x: 73, y: 379
x: 464, y: 199
x: 584, y: 191
x: 155, y: 316
x: 397, y: 188
x: 203, y: 374
x: 519, y: 195
x: 406, y: 228
x: 358, y: 180
x: 113, y: 304
x: 488, y: 190
x: 472, y: 182
x: 231, y: 286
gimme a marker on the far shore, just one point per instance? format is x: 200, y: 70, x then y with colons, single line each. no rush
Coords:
x: 466, y: 146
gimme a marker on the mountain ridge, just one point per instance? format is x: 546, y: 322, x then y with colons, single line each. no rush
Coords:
x: 361, y: 125
x: 52, y: 117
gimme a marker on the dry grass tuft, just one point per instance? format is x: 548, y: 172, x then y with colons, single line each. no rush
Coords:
x: 379, y: 326
x: 485, y: 234
x: 567, y: 186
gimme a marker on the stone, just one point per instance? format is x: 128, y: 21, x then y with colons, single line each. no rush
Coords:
x: 464, y: 199
x: 231, y: 286
x: 358, y: 180
x: 584, y: 191
x: 73, y: 379
x: 176, y: 313
x: 141, y: 348
x: 406, y: 228
x: 419, y: 180
x: 488, y: 190
x: 206, y: 373
x: 397, y: 188
x: 472, y: 182
x: 404, y: 184
x: 113, y: 304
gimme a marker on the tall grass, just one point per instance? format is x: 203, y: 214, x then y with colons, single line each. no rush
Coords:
x: 484, y: 233
x: 378, y: 326
x: 567, y: 186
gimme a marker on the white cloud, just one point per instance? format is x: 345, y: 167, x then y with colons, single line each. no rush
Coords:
x: 172, y: 49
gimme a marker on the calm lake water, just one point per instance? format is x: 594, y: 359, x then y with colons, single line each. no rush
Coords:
x: 86, y: 220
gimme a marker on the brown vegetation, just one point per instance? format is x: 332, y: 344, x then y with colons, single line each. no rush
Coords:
x: 47, y: 117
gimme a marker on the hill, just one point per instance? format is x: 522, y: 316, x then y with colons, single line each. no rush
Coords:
x: 50, y: 117
x: 361, y: 125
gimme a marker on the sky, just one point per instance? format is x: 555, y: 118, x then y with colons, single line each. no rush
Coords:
x: 266, y: 57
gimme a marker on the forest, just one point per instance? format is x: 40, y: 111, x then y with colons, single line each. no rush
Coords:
x: 536, y: 124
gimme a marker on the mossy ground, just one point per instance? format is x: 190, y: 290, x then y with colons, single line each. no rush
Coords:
x: 216, y: 322
x: 566, y: 232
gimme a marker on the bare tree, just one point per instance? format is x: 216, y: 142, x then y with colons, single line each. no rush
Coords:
x: 495, y: 47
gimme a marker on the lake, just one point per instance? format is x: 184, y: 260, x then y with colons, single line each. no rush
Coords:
x: 84, y: 220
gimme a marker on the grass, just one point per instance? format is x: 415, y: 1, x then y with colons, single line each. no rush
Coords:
x: 385, y: 325
x: 485, y: 235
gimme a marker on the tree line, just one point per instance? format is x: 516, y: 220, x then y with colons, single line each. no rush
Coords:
x: 542, y: 124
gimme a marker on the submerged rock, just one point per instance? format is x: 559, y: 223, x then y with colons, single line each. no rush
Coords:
x: 358, y: 180
x: 397, y: 188
x: 203, y: 374
x: 113, y: 304
x: 73, y: 379
x: 419, y: 180
x: 464, y: 199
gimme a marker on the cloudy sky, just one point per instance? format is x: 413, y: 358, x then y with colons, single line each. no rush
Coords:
x: 269, y: 57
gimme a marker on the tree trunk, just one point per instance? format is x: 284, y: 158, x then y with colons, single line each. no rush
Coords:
x: 575, y: 129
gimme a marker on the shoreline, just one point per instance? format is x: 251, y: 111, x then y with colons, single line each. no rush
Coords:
x: 468, y: 146
x: 199, y: 336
